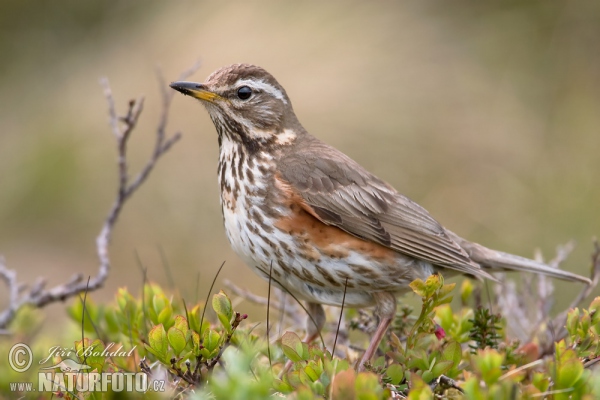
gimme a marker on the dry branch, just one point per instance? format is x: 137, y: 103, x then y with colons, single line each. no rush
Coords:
x: 122, y: 127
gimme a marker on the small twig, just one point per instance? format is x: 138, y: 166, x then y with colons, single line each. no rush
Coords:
x: 550, y: 392
x: 144, y: 367
x: 591, y: 363
x: 561, y: 319
x: 562, y: 253
x: 121, y: 127
x: 10, y: 278
x: 531, y: 305
x: 212, y: 285
x: 263, y: 300
x: 256, y: 299
x: 268, y: 312
x: 83, y: 322
x: 197, y: 369
x: 337, y: 331
x: 521, y: 368
x: 446, y: 382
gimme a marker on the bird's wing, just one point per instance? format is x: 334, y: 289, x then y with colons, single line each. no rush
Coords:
x: 339, y: 192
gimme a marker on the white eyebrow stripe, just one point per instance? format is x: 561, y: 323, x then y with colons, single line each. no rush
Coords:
x: 262, y: 85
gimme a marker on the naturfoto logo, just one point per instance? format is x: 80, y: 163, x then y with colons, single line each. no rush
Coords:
x: 71, y: 376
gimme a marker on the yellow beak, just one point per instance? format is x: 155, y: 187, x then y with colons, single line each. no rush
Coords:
x: 196, y: 90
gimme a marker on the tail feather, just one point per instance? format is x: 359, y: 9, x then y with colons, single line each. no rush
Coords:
x: 498, y: 260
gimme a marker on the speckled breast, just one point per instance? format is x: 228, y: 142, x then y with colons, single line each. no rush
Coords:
x: 269, y: 229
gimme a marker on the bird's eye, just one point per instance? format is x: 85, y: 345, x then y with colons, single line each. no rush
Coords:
x: 244, y: 93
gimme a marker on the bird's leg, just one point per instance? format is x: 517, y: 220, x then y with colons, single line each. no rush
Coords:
x: 386, y: 309
x: 313, y: 329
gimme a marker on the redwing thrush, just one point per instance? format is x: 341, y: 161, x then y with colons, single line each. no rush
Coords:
x: 316, y: 217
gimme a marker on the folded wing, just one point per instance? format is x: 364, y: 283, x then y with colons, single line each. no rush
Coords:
x: 340, y: 192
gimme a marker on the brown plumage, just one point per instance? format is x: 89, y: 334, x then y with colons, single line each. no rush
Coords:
x: 315, y: 216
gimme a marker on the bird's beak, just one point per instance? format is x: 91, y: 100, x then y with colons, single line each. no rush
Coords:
x: 196, y: 90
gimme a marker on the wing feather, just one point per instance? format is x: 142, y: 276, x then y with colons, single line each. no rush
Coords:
x: 342, y: 193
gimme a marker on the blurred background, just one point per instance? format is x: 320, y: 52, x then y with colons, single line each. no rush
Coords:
x: 486, y: 113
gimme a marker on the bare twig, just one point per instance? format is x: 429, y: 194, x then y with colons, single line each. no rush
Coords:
x: 198, y: 358
x: 521, y: 368
x: 290, y: 310
x: 121, y: 127
x: 561, y: 319
x: 530, y: 305
x: 10, y: 278
x: 337, y: 331
x: 268, y: 313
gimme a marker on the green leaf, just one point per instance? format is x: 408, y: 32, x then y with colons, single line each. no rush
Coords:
x: 196, y: 343
x: 418, y: 360
x: 211, y: 340
x: 418, y: 286
x: 473, y: 389
x: 573, y: 322
x: 427, y: 376
x: 293, y: 378
x: 154, y: 352
x: 76, y: 311
x: 489, y: 364
x: 90, y: 352
x: 159, y: 302
x: 205, y: 353
x: 164, y: 310
x: 396, y: 373
x: 164, y: 317
x: 112, y: 321
x: 194, y: 318
x: 466, y: 290
x: 444, y: 300
x: 176, y: 340
x: 222, y: 306
x: 432, y: 284
x: 367, y: 386
x: 311, y: 373
x: 569, y: 372
x: 541, y: 381
x: 157, y: 338
x: 419, y: 389
x: 396, y: 343
x: 379, y: 362
x: 290, y: 343
x: 225, y: 322
x: 446, y: 289
x: 124, y: 300
x: 305, y: 352
x: 424, y: 341
x: 452, y: 352
x: 181, y: 323
x: 315, y: 352
x: 282, y: 386
x: 441, y: 367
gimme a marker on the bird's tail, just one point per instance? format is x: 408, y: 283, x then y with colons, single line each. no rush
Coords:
x: 497, y: 260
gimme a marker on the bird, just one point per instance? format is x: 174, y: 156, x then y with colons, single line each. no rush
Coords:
x: 320, y: 226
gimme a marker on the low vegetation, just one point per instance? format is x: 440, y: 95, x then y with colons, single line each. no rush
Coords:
x: 434, y: 352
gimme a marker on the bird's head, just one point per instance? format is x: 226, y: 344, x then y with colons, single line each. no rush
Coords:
x: 245, y: 103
